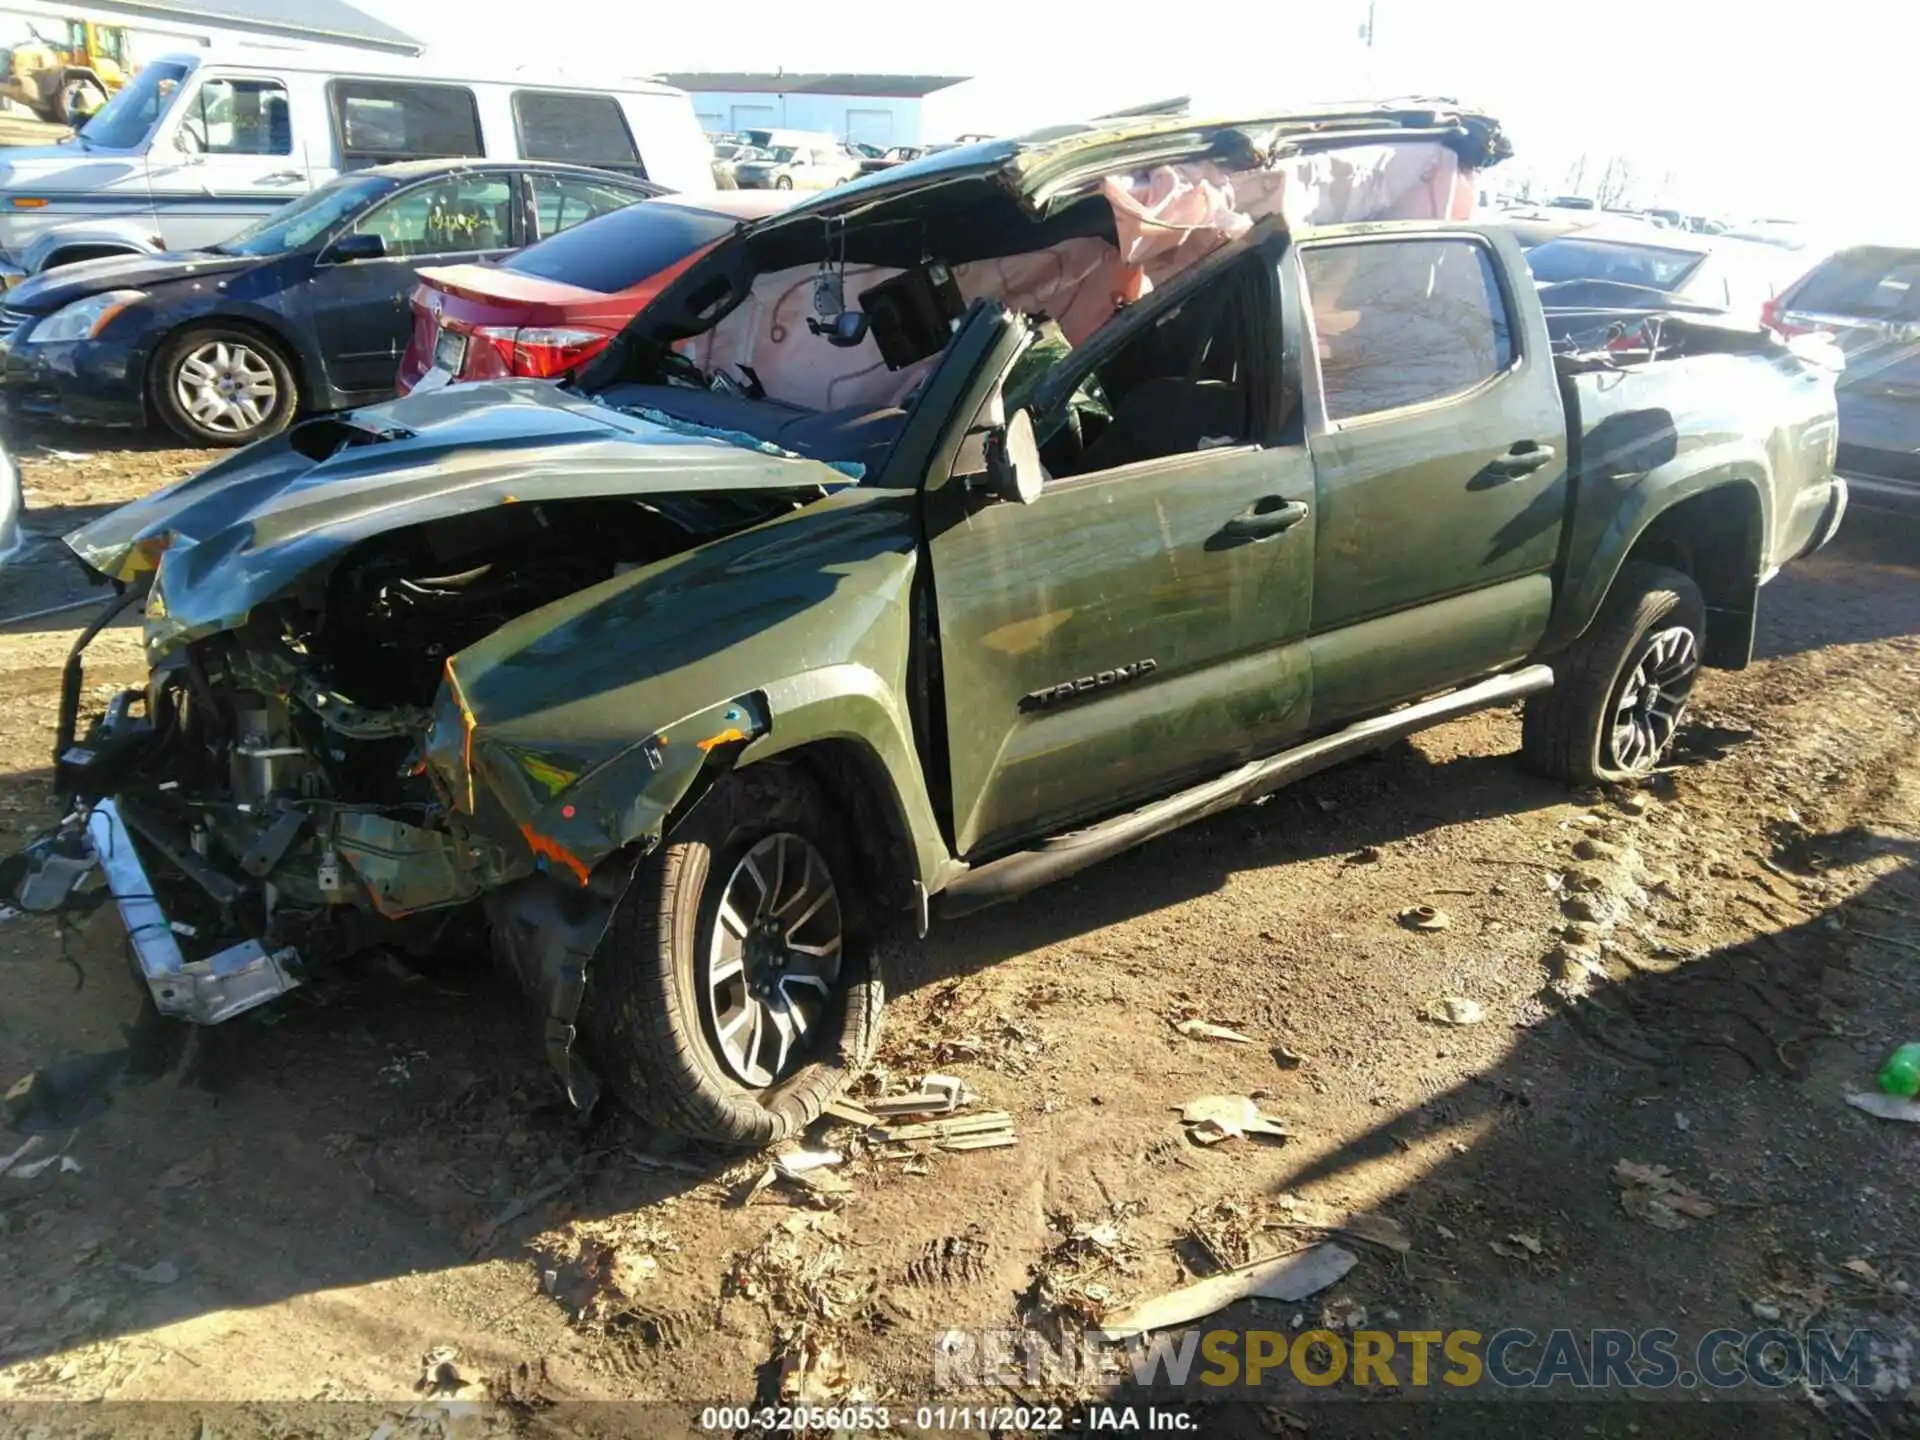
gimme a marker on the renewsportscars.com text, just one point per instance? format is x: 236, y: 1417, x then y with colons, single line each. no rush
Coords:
x: 1412, y: 1360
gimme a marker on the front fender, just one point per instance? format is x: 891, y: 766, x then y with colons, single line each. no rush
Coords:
x: 587, y: 726
x: 132, y: 233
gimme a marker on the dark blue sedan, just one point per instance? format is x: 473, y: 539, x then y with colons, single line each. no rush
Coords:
x: 306, y: 311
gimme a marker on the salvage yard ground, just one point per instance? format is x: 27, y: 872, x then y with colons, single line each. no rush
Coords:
x: 304, y: 1204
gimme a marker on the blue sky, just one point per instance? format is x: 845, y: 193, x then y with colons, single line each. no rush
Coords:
x: 1793, y: 109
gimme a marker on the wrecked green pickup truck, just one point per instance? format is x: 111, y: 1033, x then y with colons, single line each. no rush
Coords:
x: 918, y: 546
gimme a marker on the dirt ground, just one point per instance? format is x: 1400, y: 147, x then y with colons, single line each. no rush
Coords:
x: 302, y: 1205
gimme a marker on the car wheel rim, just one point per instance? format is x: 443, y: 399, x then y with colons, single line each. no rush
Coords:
x: 1650, y: 701
x: 773, y: 958
x: 226, y: 387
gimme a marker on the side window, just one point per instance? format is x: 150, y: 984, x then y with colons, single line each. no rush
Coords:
x: 239, y: 117
x: 579, y: 129
x: 377, y: 121
x: 459, y: 214
x: 1189, y: 380
x: 561, y: 202
x: 1404, y: 322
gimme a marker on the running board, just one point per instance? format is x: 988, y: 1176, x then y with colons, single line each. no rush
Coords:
x: 1014, y: 875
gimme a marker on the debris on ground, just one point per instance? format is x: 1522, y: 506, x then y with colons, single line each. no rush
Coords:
x: 941, y: 1095
x: 1343, y: 1312
x: 1290, y: 1277
x: 1455, y: 1010
x: 1886, y: 1107
x: 1224, y: 1231
x: 600, y: 1270
x: 440, y: 1375
x: 1213, y: 1118
x: 814, y: 1372
x: 988, y: 1130
x: 1425, y: 917
x: 1296, y: 1213
x: 1285, y: 1058
x: 1074, y: 1282
x: 1650, y: 1193
x: 163, y: 1272
x: 1196, y: 1029
x: 798, y: 1275
x: 809, y: 1171
x: 1517, y: 1246
x: 937, y: 1095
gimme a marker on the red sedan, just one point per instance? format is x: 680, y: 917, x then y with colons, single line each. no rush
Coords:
x: 547, y: 310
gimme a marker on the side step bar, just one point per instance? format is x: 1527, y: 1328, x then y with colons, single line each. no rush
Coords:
x: 1014, y: 875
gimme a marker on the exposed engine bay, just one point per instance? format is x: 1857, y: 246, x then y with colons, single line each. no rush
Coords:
x: 275, y: 775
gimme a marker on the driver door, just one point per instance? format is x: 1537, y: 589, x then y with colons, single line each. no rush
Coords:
x: 229, y: 156
x: 1141, y: 623
x: 360, y: 308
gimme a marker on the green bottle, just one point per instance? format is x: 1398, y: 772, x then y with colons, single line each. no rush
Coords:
x: 1901, y: 1074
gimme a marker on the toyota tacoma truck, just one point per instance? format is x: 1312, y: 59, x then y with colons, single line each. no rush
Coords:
x: 920, y: 545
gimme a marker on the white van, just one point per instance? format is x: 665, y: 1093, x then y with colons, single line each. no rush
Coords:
x: 198, y: 146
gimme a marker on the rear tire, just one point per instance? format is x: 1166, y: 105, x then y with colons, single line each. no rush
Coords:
x: 222, y: 385
x: 1620, y: 691
x: 672, y: 1040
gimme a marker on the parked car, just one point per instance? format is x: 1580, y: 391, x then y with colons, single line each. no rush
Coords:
x: 797, y: 167
x: 887, y: 159
x: 305, y: 311
x: 199, y: 146
x: 762, y: 637
x: 546, y: 311
x: 727, y: 155
x: 1868, y: 298
x: 1628, y: 267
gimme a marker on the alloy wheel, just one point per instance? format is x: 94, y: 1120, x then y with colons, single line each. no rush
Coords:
x: 773, y: 957
x: 1650, y: 701
x: 226, y: 387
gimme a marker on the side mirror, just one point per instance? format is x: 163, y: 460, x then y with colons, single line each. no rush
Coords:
x: 1014, y: 472
x: 357, y: 246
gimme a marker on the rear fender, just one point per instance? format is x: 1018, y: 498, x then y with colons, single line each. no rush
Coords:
x: 1618, y: 503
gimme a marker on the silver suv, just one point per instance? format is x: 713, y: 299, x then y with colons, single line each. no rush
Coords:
x: 1868, y: 299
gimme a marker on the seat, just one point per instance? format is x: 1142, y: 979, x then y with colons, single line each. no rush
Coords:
x: 1166, y: 416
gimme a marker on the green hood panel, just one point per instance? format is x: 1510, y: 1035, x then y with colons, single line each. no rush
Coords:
x: 244, y: 530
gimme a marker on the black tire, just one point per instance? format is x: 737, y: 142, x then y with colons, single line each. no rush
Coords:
x: 643, y: 1017
x: 165, y: 379
x: 783, y: 182
x: 1569, y: 732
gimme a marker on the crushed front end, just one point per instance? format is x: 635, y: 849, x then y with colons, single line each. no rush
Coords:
x: 303, y: 778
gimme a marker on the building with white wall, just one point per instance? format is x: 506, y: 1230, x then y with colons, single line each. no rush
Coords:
x: 882, y: 110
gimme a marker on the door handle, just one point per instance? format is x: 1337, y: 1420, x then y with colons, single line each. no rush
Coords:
x: 281, y: 176
x: 1268, y: 515
x: 1522, y: 459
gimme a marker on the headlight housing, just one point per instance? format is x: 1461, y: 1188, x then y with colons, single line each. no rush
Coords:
x: 83, y: 319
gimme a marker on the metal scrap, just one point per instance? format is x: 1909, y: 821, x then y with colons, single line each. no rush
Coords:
x: 1290, y: 1277
x: 1213, y: 1118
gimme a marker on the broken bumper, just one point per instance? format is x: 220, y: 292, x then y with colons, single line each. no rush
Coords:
x: 224, y: 984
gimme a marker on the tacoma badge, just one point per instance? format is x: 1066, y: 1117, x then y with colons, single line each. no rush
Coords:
x: 1053, y: 694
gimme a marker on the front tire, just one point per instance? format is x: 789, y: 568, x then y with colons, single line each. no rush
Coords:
x: 783, y: 182
x: 1621, y: 690
x: 735, y: 993
x: 221, y: 385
